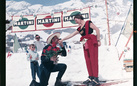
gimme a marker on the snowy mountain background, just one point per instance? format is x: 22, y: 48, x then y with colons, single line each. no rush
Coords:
x: 110, y: 68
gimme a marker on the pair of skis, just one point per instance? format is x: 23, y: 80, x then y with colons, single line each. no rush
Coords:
x: 102, y: 83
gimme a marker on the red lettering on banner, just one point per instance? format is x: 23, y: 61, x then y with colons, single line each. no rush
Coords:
x: 50, y: 24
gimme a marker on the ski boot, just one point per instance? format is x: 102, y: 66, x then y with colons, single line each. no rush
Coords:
x: 88, y: 80
x: 94, y: 82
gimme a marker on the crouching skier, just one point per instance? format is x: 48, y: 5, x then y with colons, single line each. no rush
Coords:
x: 49, y: 60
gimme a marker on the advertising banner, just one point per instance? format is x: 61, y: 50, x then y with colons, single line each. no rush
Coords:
x: 48, y: 21
x: 23, y: 23
x: 68, y: 17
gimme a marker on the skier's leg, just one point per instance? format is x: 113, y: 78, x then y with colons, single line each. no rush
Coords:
x: 95, y: 71
x: 93, y: 51
x: 38, y: 70
x: 88, y: 64
x: 61, y: 68
x: 94, y: 61
x: 44, y: 76
x: 32, y: 70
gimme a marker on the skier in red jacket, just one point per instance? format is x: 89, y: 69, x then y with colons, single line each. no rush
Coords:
x: 90, y: 46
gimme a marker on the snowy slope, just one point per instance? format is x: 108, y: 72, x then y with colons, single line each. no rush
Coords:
x: 18, y: 68
x: 24, y: 8
x: 110, y: 68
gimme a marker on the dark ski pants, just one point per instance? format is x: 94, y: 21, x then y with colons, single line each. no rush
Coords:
x: 91, y: 57
x: 45, y: 74
x: 35, y: 69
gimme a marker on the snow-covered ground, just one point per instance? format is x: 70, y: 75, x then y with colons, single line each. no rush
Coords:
x: 18, y: 71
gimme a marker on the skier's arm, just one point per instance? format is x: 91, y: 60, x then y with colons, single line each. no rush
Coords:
x: 97, y: 32
x: 35, y: 48
x: 37, y: 57
x: 29, y: 57
x: 35, y: 45
x: 63, y: 50
x: 70, y: 35
x: 64, y: 53
x: 96, y: 29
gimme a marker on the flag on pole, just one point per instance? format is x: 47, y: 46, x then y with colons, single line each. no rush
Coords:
x: 129, y: 19
x: 16, y: 44
x: 129, y: 25
x: 128, y: 30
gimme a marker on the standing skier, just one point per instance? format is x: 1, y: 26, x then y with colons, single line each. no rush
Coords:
x: 39, y: 45
x: 90, y: 46
x: 33, y: 56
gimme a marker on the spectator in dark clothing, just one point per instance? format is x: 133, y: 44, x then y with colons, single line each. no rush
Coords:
x: 49, y: 60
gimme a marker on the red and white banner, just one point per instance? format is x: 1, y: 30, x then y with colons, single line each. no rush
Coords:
x: 48, y: 21
x: 24, y: 23
x: 68, y: 17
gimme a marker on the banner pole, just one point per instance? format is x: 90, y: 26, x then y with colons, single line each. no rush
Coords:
x: 107, y: 22
x: 126, y: 44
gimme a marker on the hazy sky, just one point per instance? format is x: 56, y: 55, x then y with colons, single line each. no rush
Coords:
x: 48, y: 2
x: 45, y: 2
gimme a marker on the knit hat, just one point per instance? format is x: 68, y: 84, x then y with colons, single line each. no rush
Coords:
x: 51, y: 36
